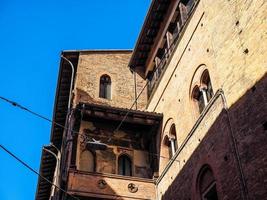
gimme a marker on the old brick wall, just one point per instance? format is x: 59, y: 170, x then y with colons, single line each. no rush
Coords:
x: 93, y: 64
x: 228, y: 38
x: 217, y: 153
x: 249, y: 120
x: 246, y: 121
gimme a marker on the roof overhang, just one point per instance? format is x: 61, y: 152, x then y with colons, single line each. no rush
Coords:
x: 148, y: 35
x: 62, y: 96
x: 129, y: 116
x: 100, y: 51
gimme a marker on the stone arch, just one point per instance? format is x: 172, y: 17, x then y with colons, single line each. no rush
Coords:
x: 165, y: 148
x: 200, y: 90
x: 196, y: 77
x: 167, y: 125
x: 206, y: 183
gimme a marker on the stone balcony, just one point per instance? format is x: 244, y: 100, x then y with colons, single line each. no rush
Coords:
x: 110, y: 186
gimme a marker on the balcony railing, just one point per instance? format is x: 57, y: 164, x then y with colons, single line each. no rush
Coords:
x: 168, y: 46
x: 110, y: 186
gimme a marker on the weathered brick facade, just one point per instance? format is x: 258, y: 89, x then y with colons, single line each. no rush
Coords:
x: 93, y: 64
x: 243, y: 123
x: 227, y: 38
x: 204, y: 66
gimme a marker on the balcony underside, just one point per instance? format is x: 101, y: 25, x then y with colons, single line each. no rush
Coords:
x: 109, y: 186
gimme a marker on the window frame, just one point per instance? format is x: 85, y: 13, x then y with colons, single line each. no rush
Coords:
x: 105, y: 84
x: 124, y: 166
x: 202, y: 91
x: 201, y: 178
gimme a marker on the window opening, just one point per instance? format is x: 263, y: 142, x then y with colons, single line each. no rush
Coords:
x: 211, y: 193
x: 189, y: 4
x: 207, y: 184
x: 206, y: 82
x: 199, y: 97
x: 105, y: 87
x: 125, y: 166
x: 203, y: 93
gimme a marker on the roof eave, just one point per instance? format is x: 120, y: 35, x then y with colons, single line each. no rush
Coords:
x: 140, y: 68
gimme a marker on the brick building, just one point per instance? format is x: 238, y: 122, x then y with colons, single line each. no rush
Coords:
x: 196, y: 131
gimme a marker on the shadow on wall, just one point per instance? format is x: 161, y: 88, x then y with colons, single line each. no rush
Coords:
x: 246, y: 122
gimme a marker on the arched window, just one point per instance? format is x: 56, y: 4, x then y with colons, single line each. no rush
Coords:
x: 173, y: 140
x: 124, y: 165
x: 203, y: 93
x: 105, y: 87
x: 87, y: 161
x: 207, y: 184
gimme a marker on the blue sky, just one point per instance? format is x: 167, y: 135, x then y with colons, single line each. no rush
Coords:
x: 32, y: 35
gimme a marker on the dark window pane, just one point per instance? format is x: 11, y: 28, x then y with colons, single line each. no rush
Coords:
x: 207, y: 84
x: 207, y: 184
x: 209, y: 90
x: 201, y: 104
x: 105, y: 87
x: 170, y: 150
x: 125, y: 166
x: 211, y: 194
x: 198, y: 97
x: 189, y: 4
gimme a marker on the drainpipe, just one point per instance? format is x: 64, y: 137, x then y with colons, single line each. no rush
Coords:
x: 135, y: 90
x: 71, y: 83
x: 236, y: 152
x: 68, y: 117
x: 56, y: 173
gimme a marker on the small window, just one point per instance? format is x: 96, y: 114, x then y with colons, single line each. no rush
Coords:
x: 202, y: 94
x: 87, y: 161
x: 207, y: 184
x: 124, y: 165
x: 105, y: 87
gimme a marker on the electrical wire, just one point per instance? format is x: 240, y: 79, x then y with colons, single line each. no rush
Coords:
x: 156, y: 68
x: 34, y: 171
x: 62, y: 126
x: 127, y: 113
x: 15, y: 104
